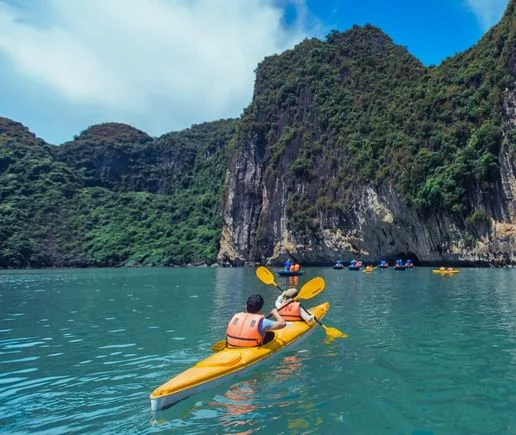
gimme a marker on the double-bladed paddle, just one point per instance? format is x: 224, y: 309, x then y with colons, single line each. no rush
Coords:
x: 267, y: 277
x: 309, y: 290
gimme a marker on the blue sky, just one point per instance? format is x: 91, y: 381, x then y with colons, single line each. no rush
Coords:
x: 163, y: 65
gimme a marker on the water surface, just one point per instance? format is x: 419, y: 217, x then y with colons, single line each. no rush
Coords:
x: 81, y: 350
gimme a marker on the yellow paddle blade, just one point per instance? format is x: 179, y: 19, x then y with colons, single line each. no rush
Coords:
x: 311, y: 289
x: 333, y: 333
x: 218, y: 346
x: 265, y: 276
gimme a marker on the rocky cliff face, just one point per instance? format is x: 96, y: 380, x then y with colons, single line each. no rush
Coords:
x: 281, y: 158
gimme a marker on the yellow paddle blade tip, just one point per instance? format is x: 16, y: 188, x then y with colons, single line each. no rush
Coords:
x: 333, y: 333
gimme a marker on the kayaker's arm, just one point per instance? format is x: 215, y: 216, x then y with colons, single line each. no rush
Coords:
x: 278, y: 322
x: 307, y: 317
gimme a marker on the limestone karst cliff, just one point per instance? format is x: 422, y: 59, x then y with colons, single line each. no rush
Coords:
x: 351, y: 148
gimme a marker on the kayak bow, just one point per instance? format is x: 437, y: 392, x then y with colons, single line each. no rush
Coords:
x: 229, y: 363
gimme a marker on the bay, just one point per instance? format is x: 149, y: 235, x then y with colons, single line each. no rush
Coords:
x: 81, y: 350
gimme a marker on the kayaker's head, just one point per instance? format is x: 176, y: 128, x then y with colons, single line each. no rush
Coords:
x: 290, y: 293
x: 254, y: 304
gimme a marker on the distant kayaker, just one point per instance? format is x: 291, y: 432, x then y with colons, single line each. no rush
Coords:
x: 288, y: 263
x: 292, y: 311
x: 249, y: 328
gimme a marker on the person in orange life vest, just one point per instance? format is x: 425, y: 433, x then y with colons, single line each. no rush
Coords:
x: 293, y: 311
x: 250, y: 328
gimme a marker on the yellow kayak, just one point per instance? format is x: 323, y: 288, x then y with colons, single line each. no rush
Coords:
x: 445, y: 272
x: 229, y: 363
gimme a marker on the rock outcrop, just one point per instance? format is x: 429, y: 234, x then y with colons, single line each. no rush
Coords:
x: 288, y: 193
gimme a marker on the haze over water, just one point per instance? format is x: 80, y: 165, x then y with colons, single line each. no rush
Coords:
x: 81, y: 350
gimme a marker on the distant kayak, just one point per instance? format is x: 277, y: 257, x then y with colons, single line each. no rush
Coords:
x: 338, y: 267
x: 228, y: 363
x: 354, y: 267
x: 445, y: 272
x: 399, y: 267
x: 289, y: 273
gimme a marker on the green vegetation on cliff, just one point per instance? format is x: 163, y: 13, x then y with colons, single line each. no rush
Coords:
x: 362, y: 111
x: 113, y: 196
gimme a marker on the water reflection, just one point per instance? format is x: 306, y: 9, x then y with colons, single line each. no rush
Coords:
x: 238, y: 406
x: 240, y: 401
x: 293, y: 281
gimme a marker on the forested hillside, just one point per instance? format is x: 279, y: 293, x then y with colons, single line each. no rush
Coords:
x: 113, y: 196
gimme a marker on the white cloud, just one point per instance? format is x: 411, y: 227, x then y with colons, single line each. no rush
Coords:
x: 488, y: 12
x: 160, y: 65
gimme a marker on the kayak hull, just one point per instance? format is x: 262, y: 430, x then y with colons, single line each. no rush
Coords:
x: 445, y: 272
x: 288, y: 273
x: 229, y: 363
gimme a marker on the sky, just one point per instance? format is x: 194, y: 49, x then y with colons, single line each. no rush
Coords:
x: 163, y: 65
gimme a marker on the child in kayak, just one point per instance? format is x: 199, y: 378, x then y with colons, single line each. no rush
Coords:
x: 250, y: 327
x: 292, y: 311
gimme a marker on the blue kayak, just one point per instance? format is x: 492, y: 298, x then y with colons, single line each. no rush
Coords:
x: 289, y: 273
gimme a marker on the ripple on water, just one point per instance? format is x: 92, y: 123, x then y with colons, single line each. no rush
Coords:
x: 20, y: 360
x: 112, y: 346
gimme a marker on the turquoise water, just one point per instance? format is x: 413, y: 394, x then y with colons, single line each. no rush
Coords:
x: 81, y: 350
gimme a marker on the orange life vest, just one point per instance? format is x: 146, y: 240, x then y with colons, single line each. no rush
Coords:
x: 296, y: 267
x: 243, y: 330
x: 292, y: 268
x: 291, y: 312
